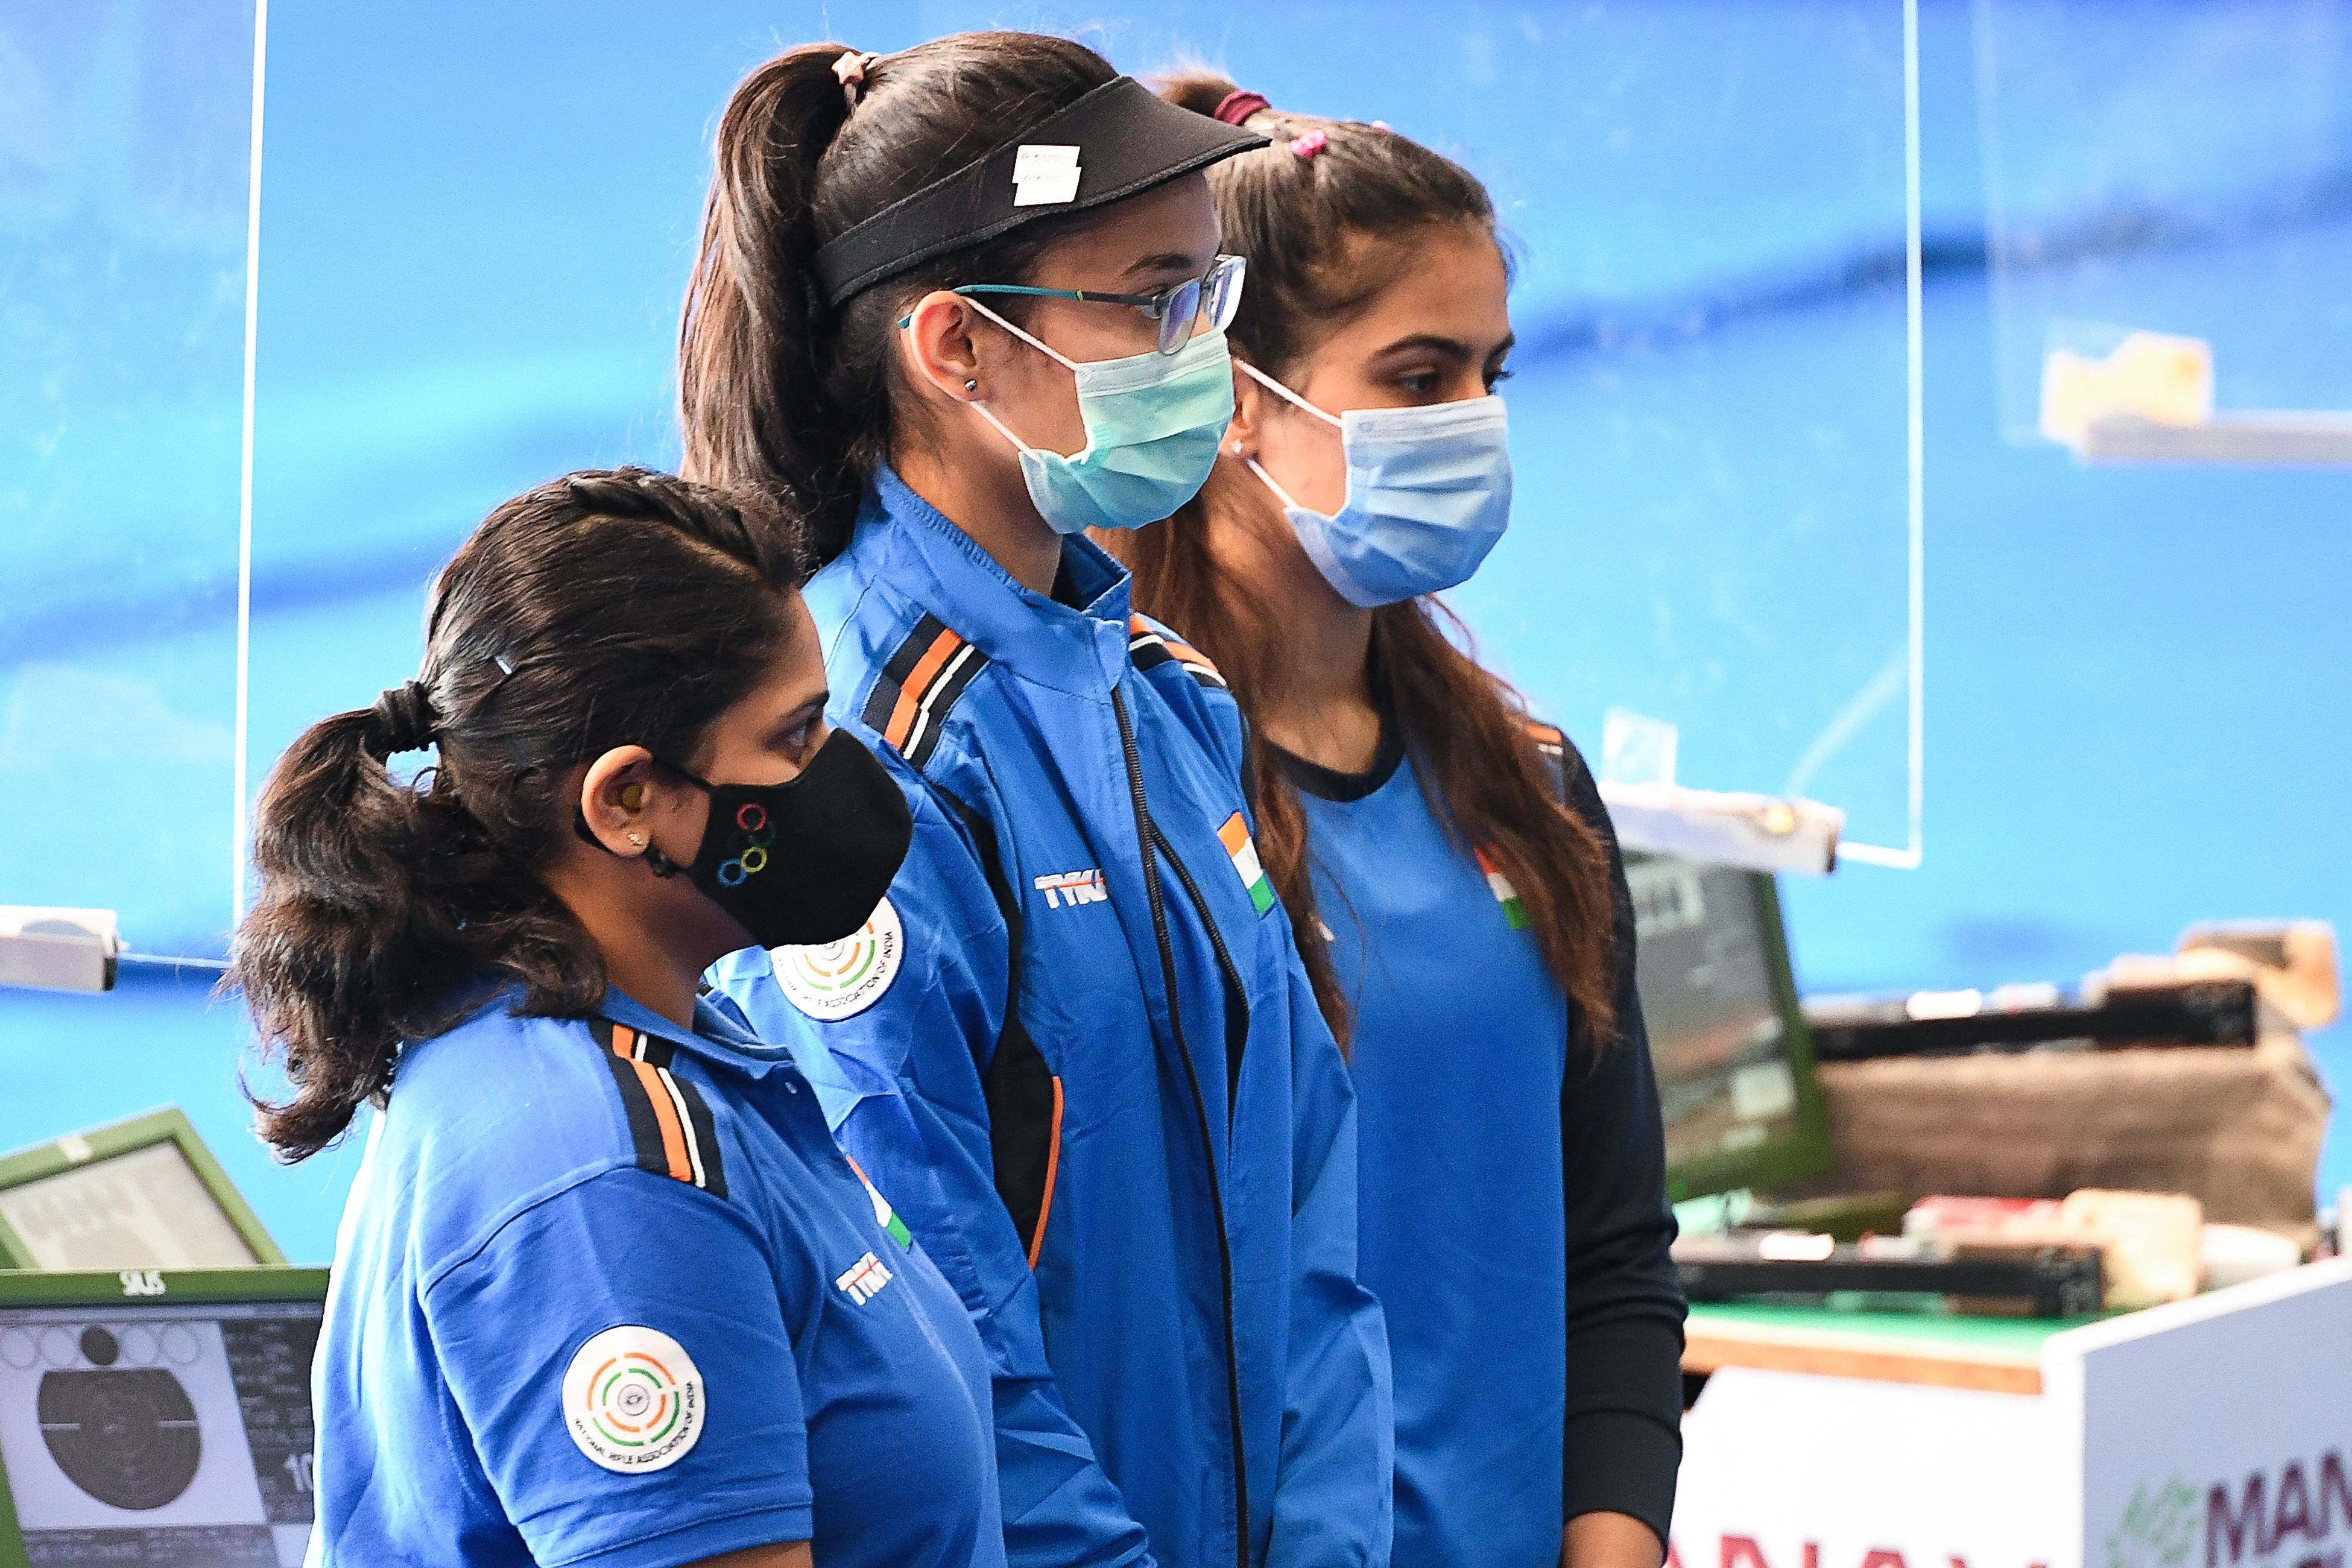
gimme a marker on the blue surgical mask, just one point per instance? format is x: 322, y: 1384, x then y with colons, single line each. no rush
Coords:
x: 1152, y: 422
x: 1429, y: 492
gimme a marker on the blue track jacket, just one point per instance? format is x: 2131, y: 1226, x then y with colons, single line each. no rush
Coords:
x: 1146, y: 1193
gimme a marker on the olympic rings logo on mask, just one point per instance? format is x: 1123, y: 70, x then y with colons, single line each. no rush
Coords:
x: 752, y: 818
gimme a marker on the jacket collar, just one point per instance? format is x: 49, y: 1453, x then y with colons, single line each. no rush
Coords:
x: 1081, y: 651
x: 721, y: 1034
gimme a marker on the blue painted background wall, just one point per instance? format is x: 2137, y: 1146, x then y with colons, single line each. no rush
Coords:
x: 478, y: 221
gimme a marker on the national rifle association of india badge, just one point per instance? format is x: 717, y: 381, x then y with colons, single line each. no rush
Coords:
x: 841, y: 979
x: 633, y: 1400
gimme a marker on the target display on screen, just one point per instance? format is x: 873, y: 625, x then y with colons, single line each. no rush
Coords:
x: 159, y: 1434
x: 127, y: 1436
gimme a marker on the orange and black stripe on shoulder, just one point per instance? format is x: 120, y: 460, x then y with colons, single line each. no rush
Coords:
x: 669, y: 1123
x: 919, y: 684
x: 1149, y: 647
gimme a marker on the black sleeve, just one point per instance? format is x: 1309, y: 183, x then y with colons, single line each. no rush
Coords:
x: 1625, y: 1310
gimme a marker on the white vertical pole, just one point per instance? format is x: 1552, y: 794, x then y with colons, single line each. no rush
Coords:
x: 1914, y: 310
x: 238, y: 826
x: 1914, y: 851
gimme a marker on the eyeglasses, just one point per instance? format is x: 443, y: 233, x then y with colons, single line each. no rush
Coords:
x: 1213, y: 296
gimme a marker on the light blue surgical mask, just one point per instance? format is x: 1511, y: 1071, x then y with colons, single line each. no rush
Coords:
x: 1152, y: 423
x: 1429, y: 492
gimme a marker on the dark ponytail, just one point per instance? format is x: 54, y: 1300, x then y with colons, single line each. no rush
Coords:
x: 600, y: 610
x: 778, y: 395
x: 1324, y: 235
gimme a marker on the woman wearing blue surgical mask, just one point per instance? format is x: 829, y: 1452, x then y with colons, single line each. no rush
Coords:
x: 1459, y: 896
x: 964, y: 303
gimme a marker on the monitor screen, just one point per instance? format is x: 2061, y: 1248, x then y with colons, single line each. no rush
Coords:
x: 1712, y: 970
x: 159, y: 1434
x: 144, y: 1208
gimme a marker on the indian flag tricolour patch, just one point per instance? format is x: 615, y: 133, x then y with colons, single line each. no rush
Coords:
x: 1235, y: 837
x: 887, y: 1216
x: 1514, y: 913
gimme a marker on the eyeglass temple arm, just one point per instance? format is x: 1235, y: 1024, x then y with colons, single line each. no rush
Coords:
x: 1091, y: 296
x: 1141, y: 301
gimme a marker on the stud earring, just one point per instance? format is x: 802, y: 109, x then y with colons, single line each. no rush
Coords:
x: 1236, y: 449
x: 972, y: 385
x: 636, y: 839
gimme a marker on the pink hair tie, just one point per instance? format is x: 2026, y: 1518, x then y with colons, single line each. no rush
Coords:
x: 1237, y: 106
x: 1307, y: 146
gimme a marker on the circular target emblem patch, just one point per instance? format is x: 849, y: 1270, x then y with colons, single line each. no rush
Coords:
x: 842, y: 979
x: 633, y: 1400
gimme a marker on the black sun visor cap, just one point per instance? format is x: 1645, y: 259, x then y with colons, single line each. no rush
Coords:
x: 1120, y: 139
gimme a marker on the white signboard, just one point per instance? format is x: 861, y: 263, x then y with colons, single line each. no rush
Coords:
x: 1788, y: 1471
x: 2213, y: 1434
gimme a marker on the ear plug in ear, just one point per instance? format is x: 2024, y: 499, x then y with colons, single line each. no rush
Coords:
x: 633, y: 798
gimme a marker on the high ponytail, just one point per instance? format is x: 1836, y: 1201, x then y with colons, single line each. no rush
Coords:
x: 385, y: 908
x: 779, y: 394
x: 1324, y: 235
x: 747, y: 345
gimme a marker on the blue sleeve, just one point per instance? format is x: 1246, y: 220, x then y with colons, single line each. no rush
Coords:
x: 524, y: 1325
x: 1334, y: 1495
x: 901, y: 1085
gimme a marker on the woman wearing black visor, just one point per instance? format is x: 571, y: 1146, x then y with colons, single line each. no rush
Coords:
x: 961, y: 304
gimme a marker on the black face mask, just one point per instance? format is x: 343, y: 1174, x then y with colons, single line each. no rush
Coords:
x: 805, y: 862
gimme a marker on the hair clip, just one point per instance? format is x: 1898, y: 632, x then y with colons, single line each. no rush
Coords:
x: 850, y: 71
x: 504, y: 666
x: 1307, y: 146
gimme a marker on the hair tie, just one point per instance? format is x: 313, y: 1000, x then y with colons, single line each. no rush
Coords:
x: 404, y: 720
x: 850, y: 71
x: 1307, y: 146
x: 1237, y: 106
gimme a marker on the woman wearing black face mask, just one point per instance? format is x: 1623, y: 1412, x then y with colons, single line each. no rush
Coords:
x: 606, y: 1290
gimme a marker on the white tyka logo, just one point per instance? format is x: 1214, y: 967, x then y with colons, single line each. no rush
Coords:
x: 864, y: 1279
x: 1073, y: 888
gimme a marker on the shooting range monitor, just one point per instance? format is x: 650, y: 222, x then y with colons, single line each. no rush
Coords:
x: 1733, y: 1060
x: 143, y: 1193
x: 157, y: 1417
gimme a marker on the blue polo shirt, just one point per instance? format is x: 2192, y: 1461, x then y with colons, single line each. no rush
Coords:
x: 1512, y: 1194
x: 607, y: 1292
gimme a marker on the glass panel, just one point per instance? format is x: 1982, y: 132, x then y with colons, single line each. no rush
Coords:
x: 1710, y: 410
x: 1709, y: 417
x: 2177, y: 171
x: 124, y: 154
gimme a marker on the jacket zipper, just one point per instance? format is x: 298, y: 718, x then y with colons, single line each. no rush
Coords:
x: 1148, y: 840
x: 1236, y: 997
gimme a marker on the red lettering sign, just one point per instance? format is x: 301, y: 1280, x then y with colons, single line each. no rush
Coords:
x: 1741, y: 1552
x: 2297, y: 1519
x: 2333, y: 1490
x: 2248, y: 1526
